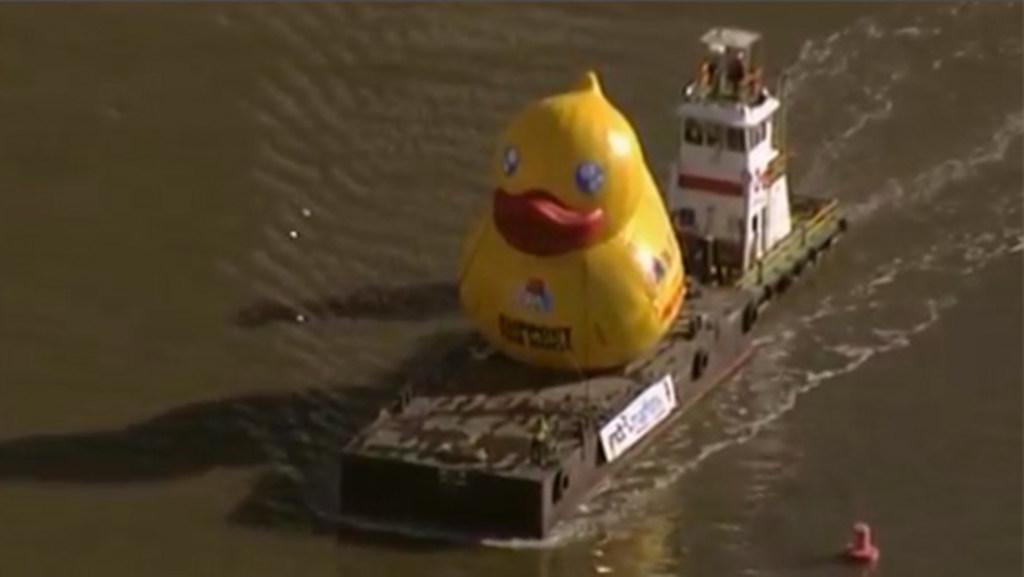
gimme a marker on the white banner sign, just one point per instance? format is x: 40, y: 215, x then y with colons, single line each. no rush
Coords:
x: 646, y: 411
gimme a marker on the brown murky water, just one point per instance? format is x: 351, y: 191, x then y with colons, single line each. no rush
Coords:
x: 164, y: 169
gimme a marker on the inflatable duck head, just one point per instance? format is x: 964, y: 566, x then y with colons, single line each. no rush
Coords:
x: 575, y: 264
x: 567, y: 173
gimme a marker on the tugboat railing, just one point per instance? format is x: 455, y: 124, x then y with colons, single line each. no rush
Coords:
x: 808, y: 228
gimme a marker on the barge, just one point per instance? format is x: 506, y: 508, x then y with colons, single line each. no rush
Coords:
x: 490, y: 447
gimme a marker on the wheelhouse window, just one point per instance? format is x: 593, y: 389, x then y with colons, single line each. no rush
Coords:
x: 693, y: 132
x: 685, y: 218
x: 734, y: 139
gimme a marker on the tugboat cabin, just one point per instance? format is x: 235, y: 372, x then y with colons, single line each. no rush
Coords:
x: 728, y: 195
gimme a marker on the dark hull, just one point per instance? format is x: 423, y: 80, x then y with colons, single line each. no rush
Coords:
x: 459, y: 451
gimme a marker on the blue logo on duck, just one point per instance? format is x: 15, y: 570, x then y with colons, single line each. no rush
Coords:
x: 654, y: 267
x: 659, y: 269
x: 662, y: 264
x: 535, y: 296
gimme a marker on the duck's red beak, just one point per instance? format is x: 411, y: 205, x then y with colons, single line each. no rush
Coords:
x: 538, y: 223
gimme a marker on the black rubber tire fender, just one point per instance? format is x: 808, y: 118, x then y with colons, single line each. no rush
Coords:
x: 700, y: 363
x: 750, y: 313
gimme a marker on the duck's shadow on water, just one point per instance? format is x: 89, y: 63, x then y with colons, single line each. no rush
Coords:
x: 294, y: 438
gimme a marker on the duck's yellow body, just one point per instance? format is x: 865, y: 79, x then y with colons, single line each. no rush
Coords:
x: 574, y: 265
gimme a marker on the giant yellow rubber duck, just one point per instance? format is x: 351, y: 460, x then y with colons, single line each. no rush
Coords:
x: 574, y: 265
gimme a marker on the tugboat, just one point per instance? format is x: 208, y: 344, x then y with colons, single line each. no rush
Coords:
x: 728, y: 194
x: 564, y: 383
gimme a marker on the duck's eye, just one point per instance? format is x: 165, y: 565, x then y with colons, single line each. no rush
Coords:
x: 510, y: 160
x: 589, y: 178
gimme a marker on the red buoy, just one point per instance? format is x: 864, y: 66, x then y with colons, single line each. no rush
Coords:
x: 861, y: 549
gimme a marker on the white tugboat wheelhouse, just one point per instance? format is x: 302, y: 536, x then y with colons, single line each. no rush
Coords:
x: 728, y: 194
